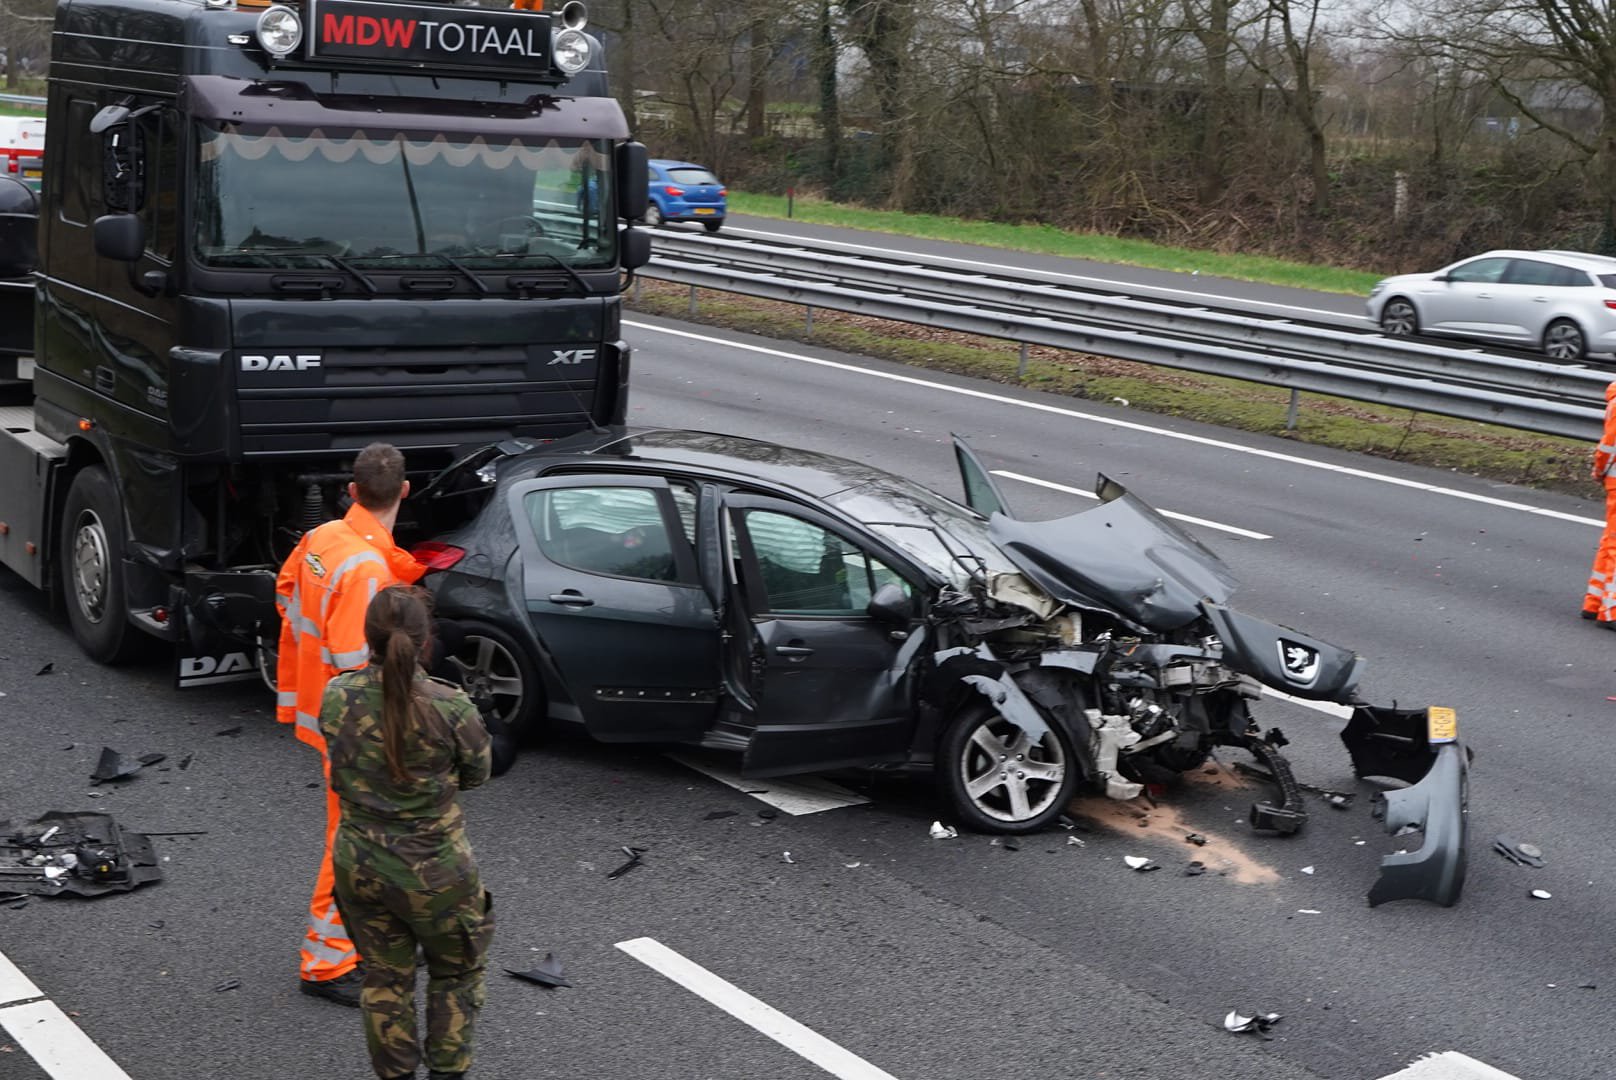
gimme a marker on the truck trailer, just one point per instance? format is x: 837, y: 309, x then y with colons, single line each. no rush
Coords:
x: 267, y: 235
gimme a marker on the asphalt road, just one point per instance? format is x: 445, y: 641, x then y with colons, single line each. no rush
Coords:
x: 951, y: 958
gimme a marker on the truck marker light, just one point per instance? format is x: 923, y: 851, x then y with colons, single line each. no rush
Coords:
x: 85, y: 423
x: 31, y: 548
x: 5, y: 529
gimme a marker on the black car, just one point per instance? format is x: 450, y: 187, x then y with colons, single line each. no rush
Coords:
x: 811, y: 612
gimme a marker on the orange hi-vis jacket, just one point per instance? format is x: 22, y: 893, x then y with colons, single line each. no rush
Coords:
x: 322, y: 592
x: 1605, y: 453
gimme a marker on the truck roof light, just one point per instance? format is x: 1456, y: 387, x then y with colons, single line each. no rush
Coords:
x: 570, y: 51
x: 279, y: 30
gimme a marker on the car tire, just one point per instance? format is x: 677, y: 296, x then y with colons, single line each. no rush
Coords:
x: 712, y: 226
x: 1399, y: 318
x: 976, y: 736
x: 653, y: 215
x: 1564, y: 340
x: 492, y: 662
x: 92, y: 568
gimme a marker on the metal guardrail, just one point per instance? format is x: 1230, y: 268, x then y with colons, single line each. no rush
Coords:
x: 1038, y: 309
x: 22, y: 99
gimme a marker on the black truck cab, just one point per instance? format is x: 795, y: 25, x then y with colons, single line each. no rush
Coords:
x: 270, y: 235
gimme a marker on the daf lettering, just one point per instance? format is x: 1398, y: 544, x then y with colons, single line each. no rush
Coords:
x: 280, y: 362
x: 572, y: 356
x: 199, y: 667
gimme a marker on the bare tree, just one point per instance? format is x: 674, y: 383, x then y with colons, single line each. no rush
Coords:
x: 1288, y: 65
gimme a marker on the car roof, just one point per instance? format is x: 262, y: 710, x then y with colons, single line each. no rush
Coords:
x: 1580, y: 259
x: 669, y: 163
x: 806, y: 472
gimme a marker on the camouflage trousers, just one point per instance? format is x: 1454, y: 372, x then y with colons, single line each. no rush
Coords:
x: 453, y: 927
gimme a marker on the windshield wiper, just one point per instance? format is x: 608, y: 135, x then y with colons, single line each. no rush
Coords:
x: 481, y: 285
x: 566, y: 267
x: 343, y: 264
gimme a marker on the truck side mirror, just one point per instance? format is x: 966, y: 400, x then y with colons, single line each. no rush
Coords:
x: 636, y: 248
x: 633, y: 181
x: 119, y: 236
x: 19, y: 229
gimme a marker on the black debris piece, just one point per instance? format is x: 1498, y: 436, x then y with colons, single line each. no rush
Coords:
x: 230, y: 732
x: 157, y: 924
x: 185, y: 762
x: 152, y: 759
x: 547, y: 973
x: 633, y: 863
x: 755, y: 791
x: 716, y: 814
x: 78, y: 854
x: 228, y: 984
x: 1011, y: 845
x: 1587, y: 986
x: 1195, y: 838
x: 16, y: 903
x: 768, y: 815
x: 1518, y: 853
x: 47, y: 669
x: 113, y: 766
x: 312, y: 784
x: 1195, y: 868
x: 70, y: 746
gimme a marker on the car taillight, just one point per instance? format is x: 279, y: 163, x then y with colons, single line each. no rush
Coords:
x: 674, y: 191
x: 723, y: 191
x: 1611, y: 304
x: 436, y: 556
x: 12, y: 164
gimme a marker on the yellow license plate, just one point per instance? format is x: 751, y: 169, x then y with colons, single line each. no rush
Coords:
x: 704, y: 210
x: 32, y: 170
x: 1442, y: 724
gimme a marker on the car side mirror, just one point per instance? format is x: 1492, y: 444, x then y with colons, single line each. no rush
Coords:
x: 119, y: 236
x: 891, y: 606
x: 633, y: 180
x: 19, y: 229
x: 636, y: 248
x: 1444, y: 278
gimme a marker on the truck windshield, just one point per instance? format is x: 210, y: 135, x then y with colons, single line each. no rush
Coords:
x: 289, y: 199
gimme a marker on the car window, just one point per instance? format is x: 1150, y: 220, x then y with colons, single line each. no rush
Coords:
x: 1571, y: 276
x: 808, y: 570
x: 691, y: 176
x: 1486, y: 271
x: 1532, y: 272
x: 618, y: 531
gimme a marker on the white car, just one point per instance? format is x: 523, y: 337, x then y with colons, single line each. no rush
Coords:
x: 1560, y: 302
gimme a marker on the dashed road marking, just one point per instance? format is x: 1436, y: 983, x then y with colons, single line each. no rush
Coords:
x: 797, y: 1038
x: 1234, y: 529
x: 46, y: 1034
x: 1450, y: 1065
x: 797, y: 796
x: 1129, y: 425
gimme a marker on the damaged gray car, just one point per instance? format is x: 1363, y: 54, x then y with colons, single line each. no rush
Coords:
x: 809, y: 613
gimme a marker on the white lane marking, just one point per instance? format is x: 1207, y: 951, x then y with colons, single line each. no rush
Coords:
x: 1129, y: 425
x: 795, y: 1037
x: 1450, y: 1065
x: 45, y: 1033
x: 1235, y: 529
x: 1110, y: 283
x: 1328, y: 708
x: 797, y: 796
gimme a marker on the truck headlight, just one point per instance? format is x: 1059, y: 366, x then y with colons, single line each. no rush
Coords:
x: 570, y: 51
x: 279, y: 30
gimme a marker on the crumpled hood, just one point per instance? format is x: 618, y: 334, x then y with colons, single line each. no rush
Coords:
x: 1121, y: 555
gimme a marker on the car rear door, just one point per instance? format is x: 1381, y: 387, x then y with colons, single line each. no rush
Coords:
x: 610, y: 585
x: 829, y: 685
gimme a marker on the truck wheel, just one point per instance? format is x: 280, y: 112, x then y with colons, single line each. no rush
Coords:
x: 999, y: 780
x: 92, y: 568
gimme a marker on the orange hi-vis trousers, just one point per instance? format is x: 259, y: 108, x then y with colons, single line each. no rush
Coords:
x: 328, y: 952
x: 1601, y: 597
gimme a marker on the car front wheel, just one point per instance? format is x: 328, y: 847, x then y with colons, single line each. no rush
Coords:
x: 1399, y: 319
x: 1563, y: 340
x: 999, y: 778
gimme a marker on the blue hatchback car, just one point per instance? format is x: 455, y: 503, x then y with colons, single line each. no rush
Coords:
x: 681, y: 191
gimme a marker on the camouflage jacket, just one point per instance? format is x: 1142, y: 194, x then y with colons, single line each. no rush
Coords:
x: 412, y: 835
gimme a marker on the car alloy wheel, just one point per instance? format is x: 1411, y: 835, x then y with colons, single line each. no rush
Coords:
x: 1000, y: 778
x: 1563, y: 340
x: 1399, y: 318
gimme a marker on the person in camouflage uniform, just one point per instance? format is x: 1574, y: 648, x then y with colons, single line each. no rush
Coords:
x: 402, y: 746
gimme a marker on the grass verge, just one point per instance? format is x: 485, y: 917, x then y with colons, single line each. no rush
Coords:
x: 1398, y: 434
x: 1047, y: 240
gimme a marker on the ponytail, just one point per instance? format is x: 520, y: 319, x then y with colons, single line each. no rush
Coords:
x: 398, y: 629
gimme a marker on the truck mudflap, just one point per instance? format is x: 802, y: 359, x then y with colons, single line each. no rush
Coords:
x: 1420, y: 747
x: 228, y: 617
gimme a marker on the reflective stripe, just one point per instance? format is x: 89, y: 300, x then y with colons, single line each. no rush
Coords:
x: 351, y: 659
x: 1607, y: 448
x: 292, y: 612
x: 1595, y: 591
x: 372, y: 595
x: 359, y: 558
x: 324, y: 928
x: 321, y: 952
x: 287, y: 698
x: 309, y: 723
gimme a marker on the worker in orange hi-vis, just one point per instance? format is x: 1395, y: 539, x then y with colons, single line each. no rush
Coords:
x: 1600, y: 601
x: 322, y: 591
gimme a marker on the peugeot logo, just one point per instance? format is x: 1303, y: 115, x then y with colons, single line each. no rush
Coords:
x: 1299, y: 662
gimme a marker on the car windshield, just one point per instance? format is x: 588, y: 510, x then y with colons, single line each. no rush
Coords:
x: 911, y: 518
x: 691, y: 176
x: 375, y: 199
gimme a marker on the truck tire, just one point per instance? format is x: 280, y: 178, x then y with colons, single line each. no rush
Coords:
x: 92, y: 568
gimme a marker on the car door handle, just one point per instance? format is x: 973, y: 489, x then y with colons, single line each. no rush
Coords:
x: 1484, y: 296
x: 1540, y: 299
x: 793, y: 650
x: 570, y: 598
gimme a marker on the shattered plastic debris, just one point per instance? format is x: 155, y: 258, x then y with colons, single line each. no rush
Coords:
x: 1142, y: 865
x: 185, y: 762
x: 1307, y: 869
x: 939, y: 831
x: 228, y: 984
x: 1542, y: 894
x: 633, y: 863
x: 1076, y: 841
x: 78, y: 854
x: 1308, y: 911
x: 852, y: 865
x: 47, y: 669
x: 1340, y: 800
x: 547, y: 973
x: 768, y: 815
x: 114, y: 766
x: 1517, y: 853
x: 1259, y: 1023
x: 230, y: 732
x: 1195, y: 868
x: 786, y: 858
x: 1195, y: 838
x: 717, y: 814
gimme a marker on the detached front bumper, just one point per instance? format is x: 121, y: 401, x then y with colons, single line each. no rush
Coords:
x: 1421, y: 748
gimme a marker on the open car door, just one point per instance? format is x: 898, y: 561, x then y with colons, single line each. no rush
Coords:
x: 981, y: 493
x: 829, y: 683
